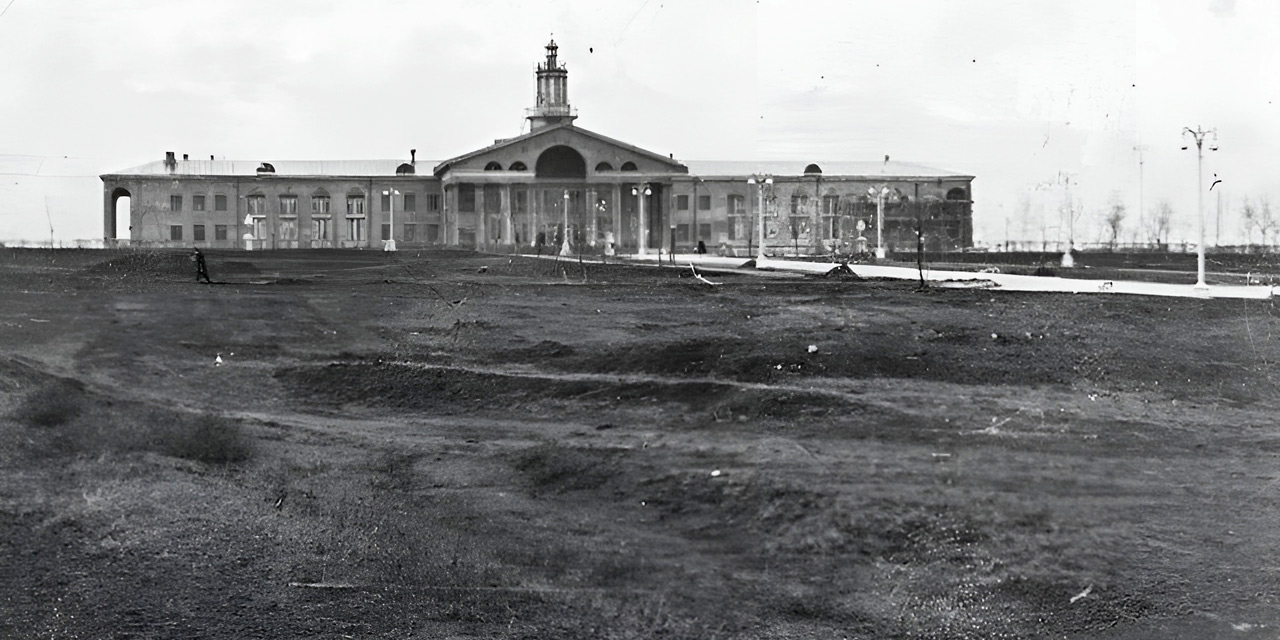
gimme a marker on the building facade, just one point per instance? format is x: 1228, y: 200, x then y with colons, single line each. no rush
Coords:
x: 557, y: 185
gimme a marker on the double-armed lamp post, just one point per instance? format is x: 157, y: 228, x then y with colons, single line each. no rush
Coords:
x: 879, y: 194
x: 641, y: 192
x: 760, y: 182
x: 1199, y: 136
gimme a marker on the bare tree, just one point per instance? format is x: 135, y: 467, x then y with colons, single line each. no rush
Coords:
x: 1257, y: 215
x: 1115, y: 219
x: 1266, y: 221
x: 1157, y: 223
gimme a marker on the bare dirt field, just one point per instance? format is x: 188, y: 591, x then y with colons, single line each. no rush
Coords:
x: 454, y: 445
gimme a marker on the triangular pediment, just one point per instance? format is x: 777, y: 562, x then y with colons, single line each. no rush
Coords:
x: 599, y: 154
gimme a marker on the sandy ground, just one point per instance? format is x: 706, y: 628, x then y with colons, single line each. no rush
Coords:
x: 452, y: 445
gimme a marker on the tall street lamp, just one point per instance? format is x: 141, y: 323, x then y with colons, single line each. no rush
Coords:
x: 760, y: 182
x: 565, y: 248
x: 640, y: 192
x: 879, y: 194
x: 390, y: 244
x: 1199, y: 136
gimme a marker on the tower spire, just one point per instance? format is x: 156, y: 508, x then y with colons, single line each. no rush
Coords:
x: 553, y: 92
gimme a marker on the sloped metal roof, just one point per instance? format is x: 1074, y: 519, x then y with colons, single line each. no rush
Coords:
x: 355, y: 168
x: 855, y: 168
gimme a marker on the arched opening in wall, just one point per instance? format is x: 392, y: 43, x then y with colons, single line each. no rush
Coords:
x: 811, y: 169
x: 629, y: 166
x: 121, y: 208
x: 405, y: 169
x: 493, y: 166
x: 957, y: 193
x: 561, y: 162
x: 604, y: 166
x: 518, y: 166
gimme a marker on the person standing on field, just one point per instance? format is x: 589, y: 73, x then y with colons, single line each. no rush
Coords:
x: 202, y: 269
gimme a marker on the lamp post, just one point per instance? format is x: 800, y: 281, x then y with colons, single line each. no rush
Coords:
x: 879, y: 194
x: 640, y: 192
x: 390, y: 244
x: 1199, y: 136
x: 565, y: 248
x: 760, y: 182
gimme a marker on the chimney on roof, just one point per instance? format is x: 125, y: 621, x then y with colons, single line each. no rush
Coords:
x: 413, y: 157
x: 211, y: 157
x: 169, y: 162
x: 184, y: 157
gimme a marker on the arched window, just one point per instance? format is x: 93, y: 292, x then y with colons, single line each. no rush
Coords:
x: 957, y: 193
x: 405, y: 169
x: 561, y: 162
x: 266, y: 167
x: 518, y: 166
x: 813, y: 168
x: 604, y: 166
x: 629, y: 166
x: 493, y: 166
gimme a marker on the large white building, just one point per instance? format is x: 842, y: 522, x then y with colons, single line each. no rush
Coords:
x: 532, y: 188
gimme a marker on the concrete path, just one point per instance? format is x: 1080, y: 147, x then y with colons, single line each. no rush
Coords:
x: 994, y: 281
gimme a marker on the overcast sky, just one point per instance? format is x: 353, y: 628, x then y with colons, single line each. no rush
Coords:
x: 1030, y: 97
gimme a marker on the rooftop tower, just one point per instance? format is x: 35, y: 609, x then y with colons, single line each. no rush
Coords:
x: 553, y: 93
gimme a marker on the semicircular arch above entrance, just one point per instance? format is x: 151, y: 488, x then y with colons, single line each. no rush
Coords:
x: 561, y: 161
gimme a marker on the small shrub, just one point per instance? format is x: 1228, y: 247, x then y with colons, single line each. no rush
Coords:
x: 206, y: 438
x: 52, y: 405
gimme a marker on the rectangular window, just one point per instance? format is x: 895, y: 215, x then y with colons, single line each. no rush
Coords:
x: 433, y: 233
x: 355, y: 228
x: 219, y: 232
x: 830, y: 205
x: 704, y: 231
x: 288, y: 205
x: 799, y: 205
x: 257, y: 205
x: 386, y: 231
x: 433, y: 202
x: 175, y: 232
x: 410, y: 202
x: 355, y: 205
x: 682, y: 233
x: 682, y: 203
x: 521, y: 204
x: 410, y: 232
x: 466, y: 197
x: 319, y: 229
x: 704, y: 203
x: 197, y: 203
x: 197, y: 232
x: 219, y: 203
x: 386, y: 202
x: 175, y: 204
x: 737, y: 205
x: 320, y: 204
x: 289, y: 230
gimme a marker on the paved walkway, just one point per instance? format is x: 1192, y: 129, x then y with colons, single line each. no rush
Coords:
x: 994, y: 281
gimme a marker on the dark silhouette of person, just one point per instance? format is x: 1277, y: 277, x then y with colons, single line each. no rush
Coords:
x: 202, y: 269
x: 702, y: 248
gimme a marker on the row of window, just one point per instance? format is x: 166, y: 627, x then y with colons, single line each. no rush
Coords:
x: 198, y: 203
x: 257, y: 204
x: 288, y: 231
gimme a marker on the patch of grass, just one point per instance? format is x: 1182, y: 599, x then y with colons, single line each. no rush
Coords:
x: 205, y: 438
x: 52, y: 405
x: 563, y: 468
